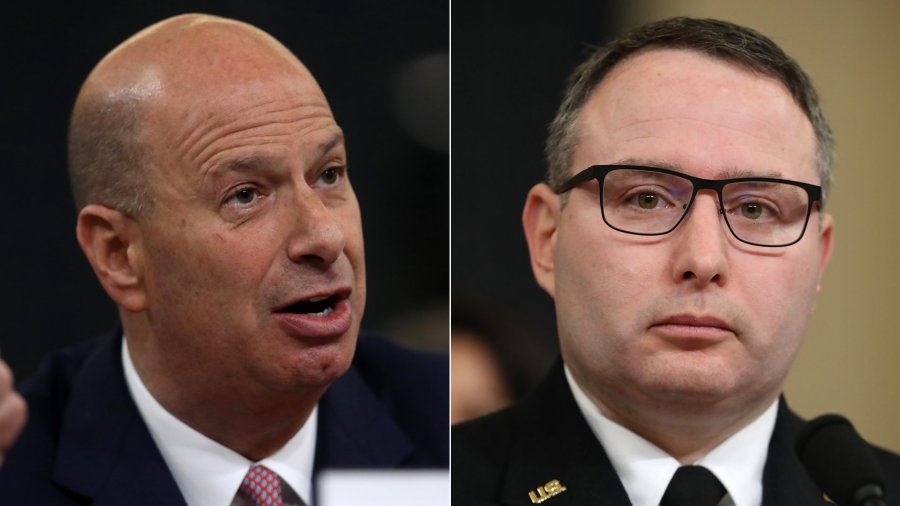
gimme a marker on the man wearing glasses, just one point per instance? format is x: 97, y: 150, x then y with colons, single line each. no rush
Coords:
x: 682, y: 236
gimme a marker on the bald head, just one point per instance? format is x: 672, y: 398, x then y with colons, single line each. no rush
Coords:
x: 158, y: 80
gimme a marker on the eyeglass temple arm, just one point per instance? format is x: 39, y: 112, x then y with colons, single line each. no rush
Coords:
x: 577, y: 179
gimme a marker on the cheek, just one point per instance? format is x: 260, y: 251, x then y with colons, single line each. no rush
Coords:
x: 351, y: 226
x: 610, y: 272
x: 207, y: 268
x: 778, y: 298
x: 350, y: 214
x: 783, y: 287
x: 603, y: 288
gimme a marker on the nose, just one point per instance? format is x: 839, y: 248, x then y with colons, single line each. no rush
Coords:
x: 316, y: 236
x: 700, y: 244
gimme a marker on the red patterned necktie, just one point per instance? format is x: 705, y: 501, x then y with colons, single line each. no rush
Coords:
x: 261, y: 487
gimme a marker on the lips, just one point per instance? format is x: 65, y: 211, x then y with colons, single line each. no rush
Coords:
x: 313, y: 306
x: 322, y: 315
x: 693, y: 331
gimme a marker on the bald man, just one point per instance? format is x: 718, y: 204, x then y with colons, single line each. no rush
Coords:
x: 216, y: 211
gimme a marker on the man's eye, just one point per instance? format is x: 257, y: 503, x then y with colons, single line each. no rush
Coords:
x: 243, y: 196
x: 648, y: 200
x: 330, y: 176
x: 752, y: 210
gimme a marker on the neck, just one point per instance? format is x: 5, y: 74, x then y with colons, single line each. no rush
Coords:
x: 237, y: 413
x: 686, y: 430
x: 253, y: 427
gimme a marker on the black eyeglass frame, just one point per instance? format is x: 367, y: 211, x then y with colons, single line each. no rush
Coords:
x: 599, y: 172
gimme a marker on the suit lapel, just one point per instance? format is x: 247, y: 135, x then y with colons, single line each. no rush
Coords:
x: 355, y: 430
x: 106, y: 452
x: 107, y: 456
x: 552, y: 441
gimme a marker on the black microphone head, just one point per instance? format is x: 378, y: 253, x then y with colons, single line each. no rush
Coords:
x: 839, y: 461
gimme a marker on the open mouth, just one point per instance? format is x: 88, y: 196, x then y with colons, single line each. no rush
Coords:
x: 316, y: 306
x: 323, y: 315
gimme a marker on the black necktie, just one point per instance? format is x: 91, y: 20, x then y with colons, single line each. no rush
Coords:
x: 693, y: 486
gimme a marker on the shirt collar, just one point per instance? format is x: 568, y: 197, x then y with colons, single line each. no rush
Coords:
x: 645, y: 470
x: 208, y: 473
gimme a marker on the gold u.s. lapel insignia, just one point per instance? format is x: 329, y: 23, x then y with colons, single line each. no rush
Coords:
x: 550, y: 489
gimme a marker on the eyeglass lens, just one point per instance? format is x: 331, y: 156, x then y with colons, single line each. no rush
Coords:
x: 759, y: 212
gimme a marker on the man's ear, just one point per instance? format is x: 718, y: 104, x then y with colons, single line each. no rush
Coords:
x: 111, y: 242
x: 826, y: 237
x: 540, y: 219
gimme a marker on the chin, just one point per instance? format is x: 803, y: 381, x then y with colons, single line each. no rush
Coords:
x: 297, y: 362
x: 314, y: 368
x: 695, y: 394
x: 693, y: 382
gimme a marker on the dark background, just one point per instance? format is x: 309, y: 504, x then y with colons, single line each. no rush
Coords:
x: 510, y: 64
x: 394, y: 114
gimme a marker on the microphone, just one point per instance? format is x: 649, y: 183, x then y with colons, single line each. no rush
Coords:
x: 840, y: 462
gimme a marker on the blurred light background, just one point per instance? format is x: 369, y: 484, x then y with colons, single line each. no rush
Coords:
x: 384, y: 69
x: 510, y: 62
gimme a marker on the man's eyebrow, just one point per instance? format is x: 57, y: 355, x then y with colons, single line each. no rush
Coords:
x: 335, y: 140
x: 730, y: 173
x: 648, y: 162
x: 246, y: 164
x: 735, y: 173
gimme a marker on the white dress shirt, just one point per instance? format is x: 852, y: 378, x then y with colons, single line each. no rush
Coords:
x: 645, y: 470
x: 208, y: 473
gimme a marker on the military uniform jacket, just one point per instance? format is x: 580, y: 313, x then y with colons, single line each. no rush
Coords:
x: 544, y: 444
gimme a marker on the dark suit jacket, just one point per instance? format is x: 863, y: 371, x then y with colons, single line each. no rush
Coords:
x: 500, y: 458
x: 86, y: 443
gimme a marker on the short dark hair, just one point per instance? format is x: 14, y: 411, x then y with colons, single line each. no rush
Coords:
x: 719, y: 39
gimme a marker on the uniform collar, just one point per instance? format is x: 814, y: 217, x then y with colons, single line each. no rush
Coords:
x: 645, y: 470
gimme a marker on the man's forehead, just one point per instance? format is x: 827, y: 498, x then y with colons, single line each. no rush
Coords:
x: 193, y: 35
x: 194, y: 73
x: 195, y: 52
x: 257, y: 159
x: 679, y: 106
x: 664, y: 67
x: 729, y: 172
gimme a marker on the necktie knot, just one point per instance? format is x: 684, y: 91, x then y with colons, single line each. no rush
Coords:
x: 693, y: 486
x: 261, y: 487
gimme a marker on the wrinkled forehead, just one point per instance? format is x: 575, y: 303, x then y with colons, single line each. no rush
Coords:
x: 234, y: 96
x: 224, y: 59
x: 199, y: 81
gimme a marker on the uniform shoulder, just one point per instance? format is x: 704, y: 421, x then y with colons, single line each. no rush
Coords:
x: 479, y: 456
x: 489, y: 431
